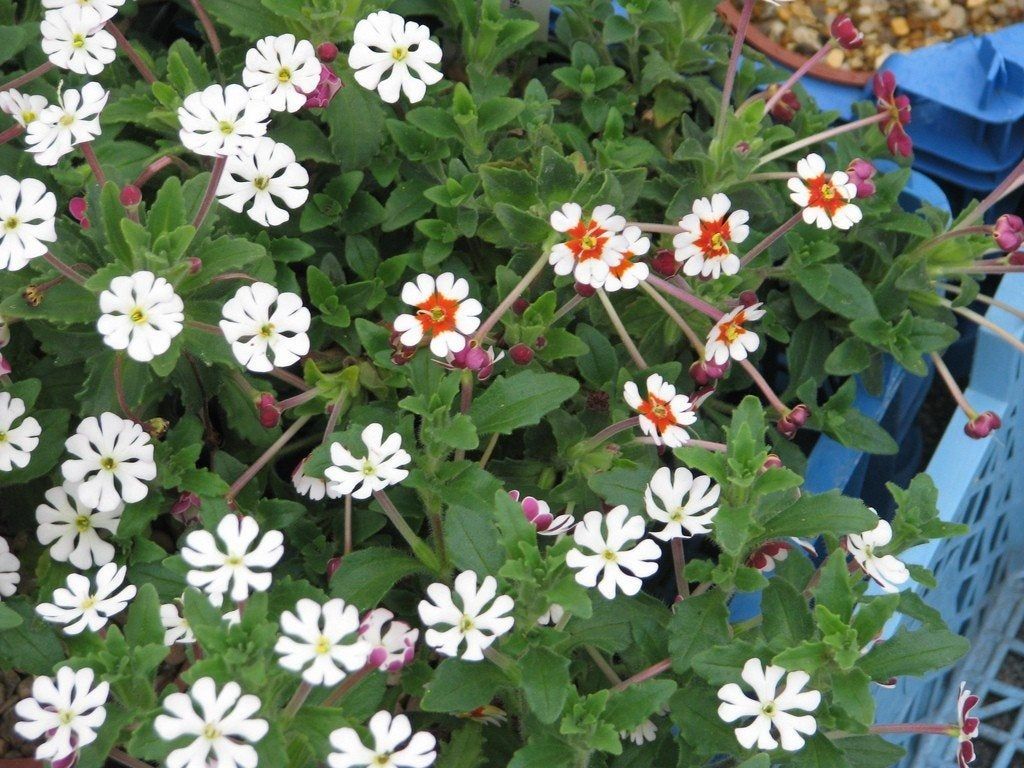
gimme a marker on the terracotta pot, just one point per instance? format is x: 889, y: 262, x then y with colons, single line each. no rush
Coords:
x: 757, y: 39
x: 20, y: 762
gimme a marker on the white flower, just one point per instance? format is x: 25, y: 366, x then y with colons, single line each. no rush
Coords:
x: 595, y: 244
x: 78, y: 606
x: 269, y: 172
x: 663, y: 414
x: 72, y: 529
x: 66, y: 709
x: 74, y: 39
x: 74, y: 119
x: 316, y: 488
x: 281, y: 72
x: 391, y: 648
x: 109, y: 449
x: 824, y: 198
x: 703, y: 245
x: 236, y: 567
x: 27, y: 213
x: 176, y: 627
x: 141, y: 314
x: 394, y: 745
x: 770, y: 707
x: 324, y: 643
x: 646, y: 731
x: 443, y: 313
x: 258, y: 320
x: 471, y: 620
x: 221, y: 120
x: 619, y: 566
x: 729, y: 339
x: 552, y: 615
x: 24, y: 108
x: 683, y: 517
x: 382, y: 466
x: 385, y: 41
x: 628, y: 273
x: 9, y: 564
x: 107, y: 9
x: 887, y: 570
x: 16, y: 442
x: 223, y: 721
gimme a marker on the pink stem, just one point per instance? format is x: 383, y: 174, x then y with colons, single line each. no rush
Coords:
x: 94, y: 163
x: 130, y: 52
x: 264, y: 459
x: 939, y: 728
x: 612, y: 429
x: 679, y: 564
x: 297, y: 400
x: 207, y: 25
x: 767, y: 242
x: 954, y: 389
x: 764, y: 386
x: 509, y: 300
x: 652, y: 671
x: 803, y: 70
x: 28, y: 77
x: 11, y: 133
x: 661, y: 229
x: 211, y: 191
x: 69, y: 272
x: 995, y: 195
x: 734, y: 60
x: 685, y: 296
x: 831, y: 133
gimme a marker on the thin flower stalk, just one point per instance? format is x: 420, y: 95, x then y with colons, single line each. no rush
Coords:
x: 286, y: 376
x: 620, y: 328
x: 602, y: 663
x: 418, y: 545
x: 129, y: 50
x: 983, y: 322
x: 566, y: 308
x: 69, y: 272
x: 990, y: 267
x: 953, y: 233
x: 688, y: 332
x: 207, y: 25
x: 612, y: 429
x: 94, y: 163
x: 11, y: 133
x: 771, y: 176
x: 489, y: 450
x: 297, y: 699
x: 646, y: 674
x: 347, y: 546
x: 334, y: 414
x: 122, y: 398
x: 764, y: 386
x: 679, y: 566
x: 984, y: 299
x: 1012, y: 180
x: 28, y: 77
x: 770, y: 239
x: 296, y: 400
x: 211, y: 191
x: 804, y: 68
x: 823, y: 136
x: 661, y: 229
x: 508, y: 301
x: 685, y: 296
x: 347, y: 685
x: 936, y: 728
x: 734, y: 61
x: 263, y: 460
x: 954, y: 390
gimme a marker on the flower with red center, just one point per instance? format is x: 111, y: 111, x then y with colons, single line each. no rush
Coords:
x: 825, y: 199
x: 539, y: 514
x: 703, y: 245
x: 898, y: 109
x: 729, y: 339
x: 595, y: 244
x: 664, y: 415
x: 629, y: 273
x: 968, y: 725
x: 443, y: 313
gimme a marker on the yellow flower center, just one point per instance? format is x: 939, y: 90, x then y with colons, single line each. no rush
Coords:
x: 211, y: 732
x: 284, y: 75
x: 609, y: 555
x: 465, y: 624
x: 368, y: 468
x: 588, y: 242
x: 28, y: 116
x: 398, y: 53
x: 322, y: 645
x: 267, y: 330
x: 89, y: 603
x: 138, y: 316
x: 78, y: 40
x: 261, y: 183
x: 11, y: 223
x: 108, y: 463
x: 234, y: 560
x: 717, y: 241
x: 828, y: 191
x: 65, y: 717
x: 226, y: 128
x: 732, y: 331
x: 769, y: 709
x: 67, y: 120
x: 83, y: 523
x: 382, y: 759
x: 3, y: 437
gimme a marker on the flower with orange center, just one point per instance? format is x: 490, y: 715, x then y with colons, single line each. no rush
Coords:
x: 703, y: 245
x: 595, y: 243
x: 824, y: 198
x: 729, y: 339
x: 629, y: 273
x: 443, y: 314
x: 663, y: 413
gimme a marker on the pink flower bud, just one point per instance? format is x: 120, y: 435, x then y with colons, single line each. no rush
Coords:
x: 982, y: 425
x: 861, y: 173
x: 1009, y: 232
x: 184, y: 510
x: 785, y: 109
x: 748, y: 298
x: 77, y: 207
x: 771, y: 462
x: 664, y: 263
x: 791, y: 423
x: 327, y: 52
x: 332, y: 567
x: 269, y: 412
x: 586, y: 291
x: 130, y: 196
x: 540, y: 343
x: 521, y: 354
x: 846, y: 33
x: 742, y: 149
x: 520, y: 305
x: 194, y: 265
x: 329, y: 85
x: 5, y: 366
x: 1017, y: 259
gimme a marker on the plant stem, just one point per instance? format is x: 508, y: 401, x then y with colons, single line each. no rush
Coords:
x: 831, y: 133
x: 980, y: 230
x: 631, y: 347
x: 764, y: 386
x: 13, y: 132
x: 679, y: 564
x: 122, y: 399
x: 769, y: 239
x: 953, y: 387
x: 28, y: 77
x: 69, y: 272
x: 602, y: 663
x: 993, y: 197
x: 611, y: 429
x: 334, y: 415
x: 982, y: 321
x: 730, y: 72
x: 661, y: 229
x: 509, y: 300
x: 488, y: 450
x: 130, y: 52
x: 418, y: 545
x: 94, y: 163
x: 804, y: 68
x: 984, y: 299
x: 286, y: 376
x: 669, y: 310
x: 207, y: 25
x: 771, y: 176
x: 297, y: 699
x: 938, y: 728
x: 685, y: 296
x: 122, y: 757
x: 296, y: 400
x: 262, y: 461
x: 981, y: 268
x: 347, y: 547
x: 707, y: 445
x: 652, y: 671
x: 234, y: 276
x: 566, y: 308
x: 347, y: 685
x: 211, y: 191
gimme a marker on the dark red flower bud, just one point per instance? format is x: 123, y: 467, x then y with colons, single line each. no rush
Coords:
x: 846, y: 33
x: 184, y: 510
x: 586, y: 291
x: 327, y: 52
x: 332, y: 566
x: 77, y: 206
x: 130, y: 196
x: 982, y: 425
x: 748, y: 298
x: 329, y: 85
x: 1009, y: 232
x: 86, y: 224
x: 520, y: 305
x: 743, y: 148
x: 1017, y: 259
x: 772, y: 462
x: 521, y: 354
x: 785, y: 109
x: 664, y: 263
x: 791, y: 423
x: 269, y: 411
x: 540, y: 343
x: 194, y: 265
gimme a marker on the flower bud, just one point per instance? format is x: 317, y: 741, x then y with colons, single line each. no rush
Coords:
x: 861, y: 173
x: 1009, y: 232
x: 748, y: 298
x: 704, y: 372
x: 195, y: 264
x: 1016, y: 259
x: 520, y: 305
x: 846, y: 33
x: 664, y: 263
x: 5, y: 366
x: 586, y: 291
x: 329, y: 85
x: 982, y: 425
x: 157, y: 427
x: 269, y: 412
x: 130, y: 196
x: 327, y: 52
x: 86, y: 224
x: 791, y: 423
x: 77, y: 206
x: 332, y: 567
x: 521, y: 354
x: 33, y: 296
x: 785, y: 109
x: 771, y: 461
x: 184, y: 510
x: 540, y: 343
x: 742, y: 148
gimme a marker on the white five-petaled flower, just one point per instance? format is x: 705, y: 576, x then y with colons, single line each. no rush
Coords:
x: 222, y: 120
x: 16, y: 442
x: 65, y: 709
x: 382, y: 466
x: 23, y: 107
x: 687, y: 503
x: 825, y: 199
x: 385, y: 42
x: 603, y: 551
x: 595, y: 244
x: 223, y: 722
x: 479, y: 618
x: 236, y: 567
x: 107, y: 9
x: 770, y: 707
x: 141, y: 314
x: 114, y: 459
x: 322, y: 642
x: 664, y: 415
x: 730, y: 339
x: 268, y: 174
x: 9, y: 565
x: 281, y: 72
x: 394, y: 745
x: 444, y: 314
x: 628, y: 273
x: 315, y: 488
x: 73, y: 120
x: 176, y: 626
x: 260, y: 322
x: 646, y: 731
x: 74, y: 39
x: 391, y: 648
x: 887, y: 570
x: 27, y: 214
x: 703, y: 245
x: 78, y: 606
x: 71, y: 529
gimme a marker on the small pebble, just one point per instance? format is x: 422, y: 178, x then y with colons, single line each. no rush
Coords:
x: 899, y: 26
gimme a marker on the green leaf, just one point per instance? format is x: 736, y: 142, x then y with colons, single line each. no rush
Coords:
x: 837, y: 289
x: 627, y: 709
x: 851, y: 691
x: 870, y: 751
x: 520, y: 400
x: 915, y: 652
x: 143, y: 626
x: 365, y: 576
x: 823, y: 513
x: 472, y: 538
x: 31, y: 646
x: 698, y: 623
x: 819, y: 752
x: 9, y: 618
x: 508, y: 185
x: 356, y: 121
x: 787, y: 619
x: 525, y: 227
x: 460, y: 686
x: 557, y: 178
x: 545, y: 682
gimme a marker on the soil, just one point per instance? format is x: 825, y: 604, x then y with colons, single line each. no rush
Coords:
x: 888, y: 25
x: 13, y: 688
